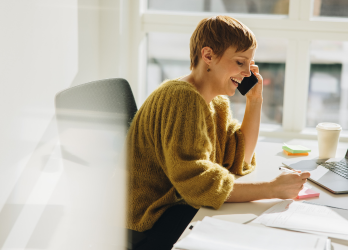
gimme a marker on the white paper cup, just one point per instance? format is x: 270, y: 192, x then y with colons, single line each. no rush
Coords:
x: 328, y: 135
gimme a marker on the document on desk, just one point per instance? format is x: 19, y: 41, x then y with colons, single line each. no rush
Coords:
x: 303, y: 217
x: 213, y: 233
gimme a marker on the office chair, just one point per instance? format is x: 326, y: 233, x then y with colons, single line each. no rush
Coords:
x: 93, y: 119
x: 107, y: 96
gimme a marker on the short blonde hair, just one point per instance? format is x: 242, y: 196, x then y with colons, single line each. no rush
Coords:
x: 219, y: 33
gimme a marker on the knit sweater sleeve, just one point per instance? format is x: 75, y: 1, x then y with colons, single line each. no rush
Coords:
x: 234, y: 151
x: 187, y: 147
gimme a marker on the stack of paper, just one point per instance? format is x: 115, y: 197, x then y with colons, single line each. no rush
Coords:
x: 308, y: 218
x: 307, y: 193
x: 295, y: 150
x: 218, y: 234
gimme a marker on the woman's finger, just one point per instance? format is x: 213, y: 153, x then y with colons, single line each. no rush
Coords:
x: 254, y: 68
x: 258, y: 76
x: 305, y: 175
x: 252, y: 62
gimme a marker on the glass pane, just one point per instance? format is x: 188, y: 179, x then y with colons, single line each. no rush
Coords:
x: 168, y: 58
x: 328, y: 84
x: 51, y: 189
x: 280, y: 7
x: 331, y: 8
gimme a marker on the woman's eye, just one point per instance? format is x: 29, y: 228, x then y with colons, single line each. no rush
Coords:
x: 239, y: 63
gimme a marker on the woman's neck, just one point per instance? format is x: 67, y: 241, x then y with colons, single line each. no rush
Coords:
x: 203, y: 83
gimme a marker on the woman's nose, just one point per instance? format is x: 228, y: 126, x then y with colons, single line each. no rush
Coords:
x: 246, y: 72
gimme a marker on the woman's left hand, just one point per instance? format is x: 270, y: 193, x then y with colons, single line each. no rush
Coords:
x: 255, y: 94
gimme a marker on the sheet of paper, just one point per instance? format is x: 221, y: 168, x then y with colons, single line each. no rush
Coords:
x: 295, y: 148
x: 218, y: 234
x: 319, y: 172
x: 237, y: 218
x: 331, y: 235
x: 296, y: 215
x: 338, y: 204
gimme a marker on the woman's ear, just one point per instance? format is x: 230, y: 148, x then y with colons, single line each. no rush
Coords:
x: 207, y: 55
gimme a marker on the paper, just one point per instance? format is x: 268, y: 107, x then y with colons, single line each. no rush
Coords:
x: 218, y: 234
x: 237, y: 218
x: 332, y: 235
x: 319, y: 172
x: 295, y: 148
x: 300, y: 216
x: 303, y: 165
x: 337, y: 204
x: 307, y: 193
x: 295, y: 154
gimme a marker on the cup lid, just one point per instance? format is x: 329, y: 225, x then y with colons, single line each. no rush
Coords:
x: 329, y: 126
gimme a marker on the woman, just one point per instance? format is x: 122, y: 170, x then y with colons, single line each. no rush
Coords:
x: 183, y: 145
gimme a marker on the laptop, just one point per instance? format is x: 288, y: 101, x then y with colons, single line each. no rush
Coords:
x: 331, y: 174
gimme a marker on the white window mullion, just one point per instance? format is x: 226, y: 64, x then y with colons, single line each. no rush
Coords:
x: 306, y: 9
x: 296, y: 85
x: 301, y: 85
x: 294, y: 9
x: 137, y: 51
x: 187, y: 22
x: 297, y: 71
x: 124, y: 36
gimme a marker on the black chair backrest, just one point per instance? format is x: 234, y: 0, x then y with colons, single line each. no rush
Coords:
x: 107, y: 96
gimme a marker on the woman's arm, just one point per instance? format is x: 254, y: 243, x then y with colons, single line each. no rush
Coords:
x: 250, y: 127
x: 285, y: 186
x: 252, y: 117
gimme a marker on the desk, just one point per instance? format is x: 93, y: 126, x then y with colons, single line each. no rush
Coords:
x: 269, y: 158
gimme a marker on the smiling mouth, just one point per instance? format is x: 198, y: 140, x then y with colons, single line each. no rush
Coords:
x: 235, y: 81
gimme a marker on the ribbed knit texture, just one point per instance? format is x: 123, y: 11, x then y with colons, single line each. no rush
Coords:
x: 181, y: 151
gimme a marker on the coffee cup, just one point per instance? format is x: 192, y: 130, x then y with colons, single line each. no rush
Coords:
x: 328, y: 135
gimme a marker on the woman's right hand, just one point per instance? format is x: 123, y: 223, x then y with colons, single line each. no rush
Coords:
x: 288, y: 185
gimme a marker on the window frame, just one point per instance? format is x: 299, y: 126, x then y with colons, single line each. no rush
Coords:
x: 299, y: 27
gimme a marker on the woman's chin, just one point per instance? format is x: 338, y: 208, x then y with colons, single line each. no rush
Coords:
x: 231, y: 93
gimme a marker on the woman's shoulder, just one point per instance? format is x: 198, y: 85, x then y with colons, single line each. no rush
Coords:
x: 175, y: 88
x: 177, y: 85
x: 176, y: 96
x: 221, y: 102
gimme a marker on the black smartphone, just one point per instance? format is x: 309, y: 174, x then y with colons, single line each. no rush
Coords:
x: 247, y: 84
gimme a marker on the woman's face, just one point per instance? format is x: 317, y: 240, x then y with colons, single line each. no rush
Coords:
x: 231, y: 68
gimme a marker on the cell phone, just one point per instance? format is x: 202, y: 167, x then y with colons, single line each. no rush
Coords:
x: 247, y: 84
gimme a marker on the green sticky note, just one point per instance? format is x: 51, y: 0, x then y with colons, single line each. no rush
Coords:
x: 296, y: 149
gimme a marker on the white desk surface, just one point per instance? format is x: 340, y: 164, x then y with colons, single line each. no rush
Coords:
x: 269, y: 159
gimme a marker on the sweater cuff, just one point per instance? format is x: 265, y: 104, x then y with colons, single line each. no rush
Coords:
x: 240, y: 167
x: 247, y: 168
x: 222, y: 197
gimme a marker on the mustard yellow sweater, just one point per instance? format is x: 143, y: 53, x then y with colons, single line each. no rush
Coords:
x: 181, y: 151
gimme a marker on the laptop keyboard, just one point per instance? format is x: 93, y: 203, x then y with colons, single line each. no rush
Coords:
x: 340, y: 168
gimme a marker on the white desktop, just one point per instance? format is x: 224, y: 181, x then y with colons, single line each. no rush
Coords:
x: 269, y: 158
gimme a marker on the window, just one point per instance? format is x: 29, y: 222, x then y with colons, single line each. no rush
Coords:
x: 328, y: 85
x: 330, y: 8
x: 297, y: 43
x: 168, y: 58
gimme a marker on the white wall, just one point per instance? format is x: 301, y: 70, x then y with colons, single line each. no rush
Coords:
x: 45, y: 47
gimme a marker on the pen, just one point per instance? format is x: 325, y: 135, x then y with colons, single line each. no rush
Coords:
x: 286, y: 170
